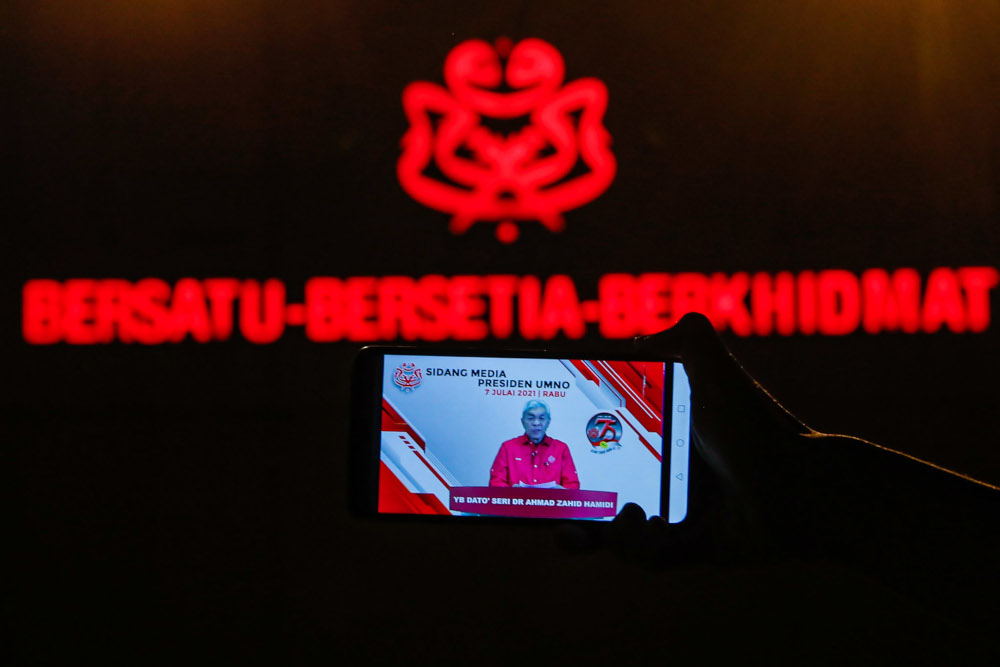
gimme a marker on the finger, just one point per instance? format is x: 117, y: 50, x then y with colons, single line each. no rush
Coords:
x: 695, y: 342
x: 655, y: 545
x: 660, y: 549
x: 631, y: 516
x: 574, y: 538
x: 720, y: 387
x: 624, y: 534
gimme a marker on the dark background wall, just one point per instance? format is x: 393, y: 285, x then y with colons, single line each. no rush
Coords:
x: 196, y: 492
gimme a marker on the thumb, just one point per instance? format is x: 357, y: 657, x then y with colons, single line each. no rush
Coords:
x: 707, y: 361
x: 729, y: 409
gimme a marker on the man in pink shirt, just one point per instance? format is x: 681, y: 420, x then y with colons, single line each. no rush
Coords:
x: 534, y: 458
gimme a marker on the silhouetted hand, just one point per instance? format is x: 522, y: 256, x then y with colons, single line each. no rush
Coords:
x: 755, y: 452
x: 771, y: 487
x: 765, y: 467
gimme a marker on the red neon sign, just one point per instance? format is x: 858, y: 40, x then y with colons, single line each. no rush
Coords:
x: 486, y: 175
x: 833, y: 302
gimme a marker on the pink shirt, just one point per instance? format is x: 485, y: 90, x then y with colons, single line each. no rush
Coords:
x: 551, y: 463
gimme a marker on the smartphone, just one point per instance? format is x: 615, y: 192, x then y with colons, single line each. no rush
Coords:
x: 470, y: 435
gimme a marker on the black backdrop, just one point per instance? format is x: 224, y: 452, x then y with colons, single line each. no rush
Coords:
x: 189, y: 493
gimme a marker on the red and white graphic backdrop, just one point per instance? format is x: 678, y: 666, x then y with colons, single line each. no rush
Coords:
x: 446, y: 433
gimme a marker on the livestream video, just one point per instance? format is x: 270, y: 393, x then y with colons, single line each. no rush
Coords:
x: 532, y: 438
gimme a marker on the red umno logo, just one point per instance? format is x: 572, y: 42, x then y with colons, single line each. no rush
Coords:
x: 407, y: 376
x: 505, y: 141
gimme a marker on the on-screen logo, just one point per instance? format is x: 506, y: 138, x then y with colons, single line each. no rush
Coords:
x: 604, y: 431
x: 407, y: 376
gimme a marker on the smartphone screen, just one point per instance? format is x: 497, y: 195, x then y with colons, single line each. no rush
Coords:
x: 532, y: 437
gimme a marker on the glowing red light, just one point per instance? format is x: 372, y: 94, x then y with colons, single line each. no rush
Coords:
x: 262, y: 310
x: 507, y: 232
x: 834, y: 302
x: 977, y: 282
x: 839, y: 302
x: 190, y: 312
x: 891, y: 302
x: 772, y: 301
x: 525, y: 174
x: 943, y: 302
x: 727, y: 305
x: 619, y: 310
x: 560, y: 310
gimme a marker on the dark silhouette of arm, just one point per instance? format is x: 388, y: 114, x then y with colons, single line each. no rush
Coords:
x: 782, y: 488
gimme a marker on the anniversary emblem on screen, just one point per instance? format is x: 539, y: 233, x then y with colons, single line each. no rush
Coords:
x: 604, y: 431
x: 512, y: 436
x: 505, y: 140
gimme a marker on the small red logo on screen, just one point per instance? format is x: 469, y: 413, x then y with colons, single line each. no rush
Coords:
x: 505, y: 141
x: 407, y: 376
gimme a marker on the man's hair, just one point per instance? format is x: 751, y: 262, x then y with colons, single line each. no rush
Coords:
x: 535, y: 403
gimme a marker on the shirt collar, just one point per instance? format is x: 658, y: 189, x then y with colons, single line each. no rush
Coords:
x: 525, y: 440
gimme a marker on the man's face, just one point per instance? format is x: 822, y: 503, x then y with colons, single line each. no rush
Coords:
x: 535, y: 421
